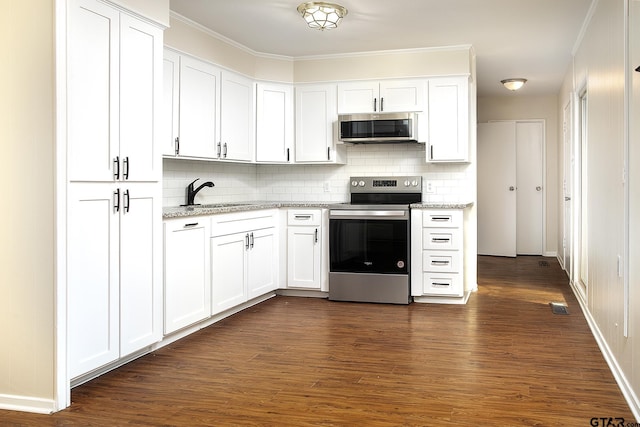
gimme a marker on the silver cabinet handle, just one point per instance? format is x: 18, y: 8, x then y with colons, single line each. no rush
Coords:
x: 316, y: 236
x: 251, y: 240
x: 438, y: 262
x: 126, y: 200
x: 381, y: 104
x: 246, y: 241
x: 177, y: 145
x: 375, y: 104
x: 125, y: 168
x: 302, y: 216
x: 116, y: 200
x: 440, y: 218
x: 224, y: 151
x: 219, y: 149
x: 440, y: 239
x: 116, y: 168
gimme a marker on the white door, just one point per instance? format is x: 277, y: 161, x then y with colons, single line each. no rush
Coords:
x: 530, y: 191
x: 92, y: 93
x: 567, y: 187
x: 262, y: 263
x: 236, y: 117
x: 303, y: 257
x: 199, y: 103
x: 228, y: 271
x: 316, y: 111
x: 274, y: 123
x: 187, y: 283
x: 497, y: 189
x: 402, y: 95
x: 140, y: 92
x: 93, y: 272
x: 170, y: 103
x: 140, y: 267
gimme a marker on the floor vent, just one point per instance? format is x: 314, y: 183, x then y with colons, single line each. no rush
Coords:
x: 558, y: 308
x: 543, y: 263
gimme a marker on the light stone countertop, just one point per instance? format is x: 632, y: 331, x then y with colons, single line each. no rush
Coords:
x: 220, y: 208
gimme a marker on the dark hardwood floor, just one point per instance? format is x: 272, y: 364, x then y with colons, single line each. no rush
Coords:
x: 501, y: 360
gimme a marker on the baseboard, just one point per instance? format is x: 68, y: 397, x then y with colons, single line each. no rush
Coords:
x: 443, y: 299
x: 618, y: 374
x: 551, y: 254
x: 27, y: 404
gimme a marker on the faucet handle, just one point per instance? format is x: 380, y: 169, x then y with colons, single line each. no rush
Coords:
x: 193, y: 182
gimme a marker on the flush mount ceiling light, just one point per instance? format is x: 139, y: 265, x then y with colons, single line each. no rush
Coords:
x: 321, y: 15
x: 513, y: 84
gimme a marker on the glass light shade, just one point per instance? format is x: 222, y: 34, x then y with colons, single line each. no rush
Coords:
x: 321, y: 16
x: 513, y: 84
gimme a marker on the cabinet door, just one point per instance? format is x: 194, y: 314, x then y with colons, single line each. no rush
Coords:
x: 236, y: 117
x: 140, y: 99
x: 274, y: 123
x: 170, y: 103
x: 316, y: 112
x: 303, y: 257
x: 187, y: 285
x: 262, y: 262
x: 358, y: 97
x: 448, y: 120
x: 228, y: 271
x: 92, y: 91
x: 92, y: 277
x: 140, y: 267
x: 402, y: 95
x: 199, y: 104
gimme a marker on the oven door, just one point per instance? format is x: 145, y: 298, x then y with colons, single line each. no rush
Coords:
x: 362, y: 241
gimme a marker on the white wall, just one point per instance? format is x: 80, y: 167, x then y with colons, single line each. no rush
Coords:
x: 27, y: 179
x: 599, y: 66
x: 514, y: 106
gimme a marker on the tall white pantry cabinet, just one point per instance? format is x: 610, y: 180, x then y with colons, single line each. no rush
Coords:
x: 114, y: 203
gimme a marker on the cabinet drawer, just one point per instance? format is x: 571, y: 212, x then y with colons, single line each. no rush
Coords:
x: 304, y: 217
x: 442, y: 284
x: 441, y: 261
x: 225, y: 224
x: 442, y: 218
x: 441, y: 238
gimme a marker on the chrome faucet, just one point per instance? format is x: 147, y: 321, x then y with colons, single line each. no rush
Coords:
x: 191, y: 193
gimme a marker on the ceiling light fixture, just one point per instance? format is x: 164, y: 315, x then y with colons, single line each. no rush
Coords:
x: 513, y: 84
x: 321, y: 15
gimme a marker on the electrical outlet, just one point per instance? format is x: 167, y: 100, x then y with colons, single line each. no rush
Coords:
x: 326, y: 187
x: 430, y: 188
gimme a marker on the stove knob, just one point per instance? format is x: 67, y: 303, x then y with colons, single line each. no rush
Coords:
x: 414, y: 183
x: 361, y: 183
x: 407, y: 183
x: 354, y: 183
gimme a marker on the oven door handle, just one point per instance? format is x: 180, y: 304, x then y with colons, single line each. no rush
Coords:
x: 361, y: 213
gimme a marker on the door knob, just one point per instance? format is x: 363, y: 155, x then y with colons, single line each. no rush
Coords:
x: 538, y: 188
x: 512, y: 188
x: 567, y: 198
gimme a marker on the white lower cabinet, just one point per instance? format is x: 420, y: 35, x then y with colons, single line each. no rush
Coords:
x: 304, y: 248
x: 114, y: 287
x: 437, y: 254
x: 244, y: 257
x: 187, y: 285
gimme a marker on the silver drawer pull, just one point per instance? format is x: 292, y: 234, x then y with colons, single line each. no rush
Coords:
x: 441, y: 218
x: 440, y: 239
x: 440, y: 285
x: 438, y: 262
x: 302, y: 216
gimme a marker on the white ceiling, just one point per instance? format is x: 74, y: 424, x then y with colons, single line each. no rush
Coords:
x: 512, y: 38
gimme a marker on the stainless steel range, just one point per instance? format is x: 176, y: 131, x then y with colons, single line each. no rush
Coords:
x: 369, y: 240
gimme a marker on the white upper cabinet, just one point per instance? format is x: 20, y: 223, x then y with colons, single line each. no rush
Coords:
x: 199, y: 101
x: 236, y: 118
x: 381, y: 96
x: 274, y: 123
x: 113, y: 87
x: 169, y: 131
x: 448, y: 119
x: 316, y: 115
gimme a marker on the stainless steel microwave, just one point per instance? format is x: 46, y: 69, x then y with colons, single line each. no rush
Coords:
x: 378, y: 127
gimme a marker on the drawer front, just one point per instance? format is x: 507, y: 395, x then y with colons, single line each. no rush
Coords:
x: 442, y: 218
x: 441, y: 239
x: 304, y: 217
x: 231, y: 223
x: 442, y: 284
x: 441, y: 261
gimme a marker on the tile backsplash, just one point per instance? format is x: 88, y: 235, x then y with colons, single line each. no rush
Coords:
x: 235, y: 182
